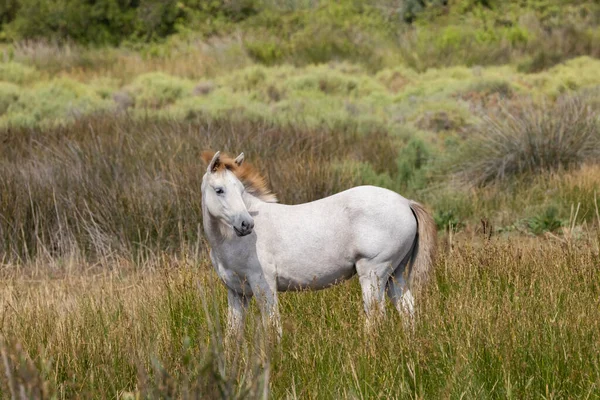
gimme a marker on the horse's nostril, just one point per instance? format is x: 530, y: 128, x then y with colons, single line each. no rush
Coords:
x: 244, y: 225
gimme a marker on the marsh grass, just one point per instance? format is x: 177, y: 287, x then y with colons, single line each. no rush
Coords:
x: 105, y: 186
x: 152, y: 334
x: 501, y: 318
x: 530, y: 138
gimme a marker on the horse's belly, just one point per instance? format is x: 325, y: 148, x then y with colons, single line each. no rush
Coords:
x: 301, y: 277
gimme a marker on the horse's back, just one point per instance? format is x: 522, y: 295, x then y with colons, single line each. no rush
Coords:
x: 318, y: 243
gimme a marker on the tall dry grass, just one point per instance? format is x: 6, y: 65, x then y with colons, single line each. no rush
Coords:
x: 193, y: 57
x: 106, y: 188
x: 500, y: 319
x: 526, y: 137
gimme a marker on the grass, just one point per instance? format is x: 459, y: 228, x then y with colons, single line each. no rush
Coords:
x: 120, y: 185
x: 500, y: 319
x: 526, y: 138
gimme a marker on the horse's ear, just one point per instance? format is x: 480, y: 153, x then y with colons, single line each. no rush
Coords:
x: 215, y: 160
x: 239, y: 159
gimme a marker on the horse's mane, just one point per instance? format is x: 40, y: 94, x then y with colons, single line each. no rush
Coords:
x: 254, y: 182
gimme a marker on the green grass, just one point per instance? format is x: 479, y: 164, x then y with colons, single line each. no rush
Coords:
x: 500, y: 319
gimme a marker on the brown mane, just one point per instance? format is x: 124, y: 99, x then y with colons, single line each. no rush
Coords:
x: 254, y: 182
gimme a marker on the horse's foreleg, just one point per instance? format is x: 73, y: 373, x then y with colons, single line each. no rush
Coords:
x: 236, y: 313
x: 266, y: 293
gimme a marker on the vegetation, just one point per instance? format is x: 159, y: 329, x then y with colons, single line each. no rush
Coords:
x: 485, y: 111
x: 533, y: 138
x: 500, y: 319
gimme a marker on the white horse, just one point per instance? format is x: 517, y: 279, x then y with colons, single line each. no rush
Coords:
x: 260, y: 247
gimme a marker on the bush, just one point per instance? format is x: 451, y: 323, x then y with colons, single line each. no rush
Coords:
x: 333, y: 31
x: 9, y: 94
x: 530, y: 139
x: 413, y: 161
x: 55, y: 101
x: 112, y: 21
x: 157, y: 89
x: 546, y: 221
x: 17, y: 73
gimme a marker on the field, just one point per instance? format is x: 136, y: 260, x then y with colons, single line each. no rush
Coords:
x: 487, y: 113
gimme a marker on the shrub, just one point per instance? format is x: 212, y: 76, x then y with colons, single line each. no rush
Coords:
x: 334, y: 31
x: 363, y: 173
x: 546, y: 221
x: 413, y: 160
x: 17, y: 73
x: 112, y: 21
x: 447, y: 220
x: 55, y: 101
x: 531, y: 138
x: 9, y: 93
x: 157, y: 89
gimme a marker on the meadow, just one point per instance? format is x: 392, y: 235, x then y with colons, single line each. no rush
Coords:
x: 486, y: 112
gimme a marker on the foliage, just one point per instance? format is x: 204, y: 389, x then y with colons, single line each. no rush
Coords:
x: 531, y: 138
x: 447, y: 220
x: 9, y: 94
x: 546, y: 221
x: 54, y: 101
x: 113, y: 21
x: 17, y: 73
x: 156, y: 90
x: 413, y: 162
x: 334, y: 31
x: 420, y: 34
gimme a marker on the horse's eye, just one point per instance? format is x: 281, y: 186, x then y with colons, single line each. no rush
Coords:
x: 219, y: 191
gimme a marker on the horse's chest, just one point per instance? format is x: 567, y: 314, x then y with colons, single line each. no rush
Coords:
x: 233, y: 269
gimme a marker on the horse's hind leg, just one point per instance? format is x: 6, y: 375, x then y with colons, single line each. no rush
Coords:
x: 373, y: 277
x: 399, y: 292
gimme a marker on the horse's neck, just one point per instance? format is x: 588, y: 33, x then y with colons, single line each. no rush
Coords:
x: 252, y: 202
x: 212, y: 227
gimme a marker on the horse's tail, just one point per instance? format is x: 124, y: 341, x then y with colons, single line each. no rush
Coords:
x: 424, y: 248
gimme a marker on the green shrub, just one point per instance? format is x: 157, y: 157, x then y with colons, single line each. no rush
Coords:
x: 8, y: 11
x: 413, y: 164
x: 334, y: 31
x: 542, y: 59
x: 9, y: 94
x: 265, y: 49
x: 112, y: 21
x: 58, y: 100
x: 17, y: 73
x: 546, y: 221
x: 492, y: 86
x: 157, y: 89
x: 98, y: 22
x: 447, y: 220
x: 363, y: 173
x: 530, y: 139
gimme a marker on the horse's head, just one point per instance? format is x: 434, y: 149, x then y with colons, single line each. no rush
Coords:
x: 222, y: 195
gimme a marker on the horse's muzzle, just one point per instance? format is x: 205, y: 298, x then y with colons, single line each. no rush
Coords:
x: 245, y: 229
